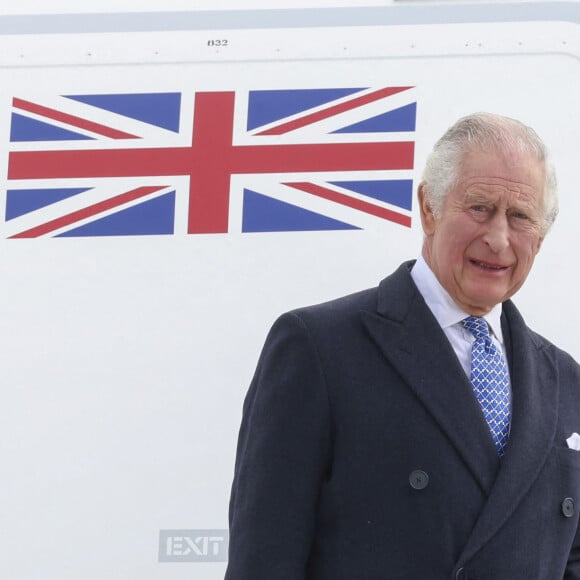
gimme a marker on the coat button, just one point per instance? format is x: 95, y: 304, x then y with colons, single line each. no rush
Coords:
x: 568, y: 507
x: 461, y: 575
x: 418, y: 479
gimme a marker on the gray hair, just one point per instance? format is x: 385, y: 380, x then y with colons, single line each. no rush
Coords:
x: 485, y: 131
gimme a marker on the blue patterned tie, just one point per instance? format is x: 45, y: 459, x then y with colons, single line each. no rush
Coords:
x: 490, y: 380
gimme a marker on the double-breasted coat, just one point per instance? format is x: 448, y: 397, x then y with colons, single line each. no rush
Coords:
x: 364, y: 455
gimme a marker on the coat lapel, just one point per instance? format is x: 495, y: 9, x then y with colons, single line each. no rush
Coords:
x: 413, y: 342
x: 535, y: 396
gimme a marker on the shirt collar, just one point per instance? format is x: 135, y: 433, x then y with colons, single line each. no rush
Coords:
x: 443, y: 307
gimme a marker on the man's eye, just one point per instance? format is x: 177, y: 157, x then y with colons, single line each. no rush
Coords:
x: 520, y: 215
x: 478, y: 207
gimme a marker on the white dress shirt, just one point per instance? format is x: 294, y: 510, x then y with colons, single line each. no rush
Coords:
x: 449, y: 315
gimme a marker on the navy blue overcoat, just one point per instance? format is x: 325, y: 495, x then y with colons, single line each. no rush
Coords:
x: 364, y: 455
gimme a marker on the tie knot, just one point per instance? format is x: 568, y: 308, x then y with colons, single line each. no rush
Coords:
x: 477, y: 326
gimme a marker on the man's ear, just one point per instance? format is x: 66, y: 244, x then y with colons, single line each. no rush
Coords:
x: 427, y: 217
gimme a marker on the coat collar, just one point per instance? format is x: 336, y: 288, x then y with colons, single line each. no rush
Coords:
x: 412, y: 341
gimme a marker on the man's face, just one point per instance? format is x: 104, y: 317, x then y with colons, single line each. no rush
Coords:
x: 483, y: 245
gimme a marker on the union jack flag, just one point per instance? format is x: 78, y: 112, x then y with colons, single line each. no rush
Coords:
x: 210, y: 162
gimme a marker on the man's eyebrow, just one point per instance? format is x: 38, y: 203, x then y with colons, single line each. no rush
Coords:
x: 479, y: 196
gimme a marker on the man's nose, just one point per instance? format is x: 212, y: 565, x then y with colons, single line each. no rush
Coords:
x: 497, y: 234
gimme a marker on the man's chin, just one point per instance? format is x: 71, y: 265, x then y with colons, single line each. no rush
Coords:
x: 479, y: 304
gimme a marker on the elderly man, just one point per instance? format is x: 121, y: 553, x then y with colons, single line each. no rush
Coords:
x: 420, y: 430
